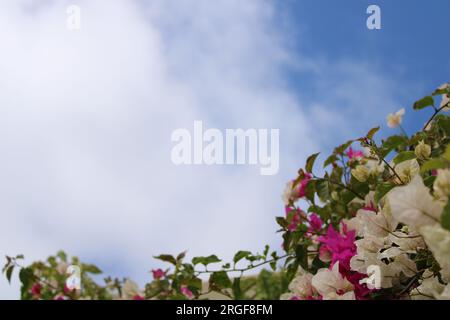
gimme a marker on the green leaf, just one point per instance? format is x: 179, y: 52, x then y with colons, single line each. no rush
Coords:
x: 381, y: 190
x: 281, y: 222
x: 310, y: 190
x: 436, y: 163
x: 340, y: 149
x: 331, y: 159
x: 310, y: 162
x: 423, y: 103
x: 322, y: 188
x: 181, y: 256
x: 391, y: 143
x: 404, y: 156
x: 167, y: 258
x: 237, y: 291
x: 241, y: 255
x: 219, y: 280
x: 205, y: 260
x: 9, y: 272
x: 447, y: 153
x: 428, y: 181
x: 91, y: 269
x: 26, y: 276
x: 445, y: 218
x: 301, y: 254
x: 372, y: 132
x: 439, y: 92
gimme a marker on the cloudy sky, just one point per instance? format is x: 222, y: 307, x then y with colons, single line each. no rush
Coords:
x: 86, y: 116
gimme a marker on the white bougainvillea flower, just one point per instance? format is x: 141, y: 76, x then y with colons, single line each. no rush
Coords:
x: 331, y: 285
x: 364, y: 260
x: 445, y: 98
x: 130, y: 291
x: 361, y: 173
x: 288, y: 192
x: 399, y: 261
x: 406, y: 171
x: 422, y: 151
x: 413, y: 204
x: 369, y: 168
x: 441, y: 185
x: 429, y: 289
x: 438, y: 241
x: 300, y: 288
x: 407, y: 242
x: 370, y: 223
x: 395, y: 119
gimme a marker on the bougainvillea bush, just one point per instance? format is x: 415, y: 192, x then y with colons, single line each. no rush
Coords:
x: 374, y: 225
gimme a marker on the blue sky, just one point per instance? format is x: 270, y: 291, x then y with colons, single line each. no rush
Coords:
x: 411, y: 48
x: 86, y: 116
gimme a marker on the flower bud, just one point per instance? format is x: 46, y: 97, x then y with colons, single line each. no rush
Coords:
x: 422, y: 151
x: 441, y: 185
x: 361, y: 173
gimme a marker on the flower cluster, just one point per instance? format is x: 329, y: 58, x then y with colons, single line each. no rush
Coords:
x: 387, y: 214
x: 375, y: 224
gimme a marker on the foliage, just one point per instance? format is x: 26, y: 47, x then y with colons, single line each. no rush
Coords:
x: 383, y: 206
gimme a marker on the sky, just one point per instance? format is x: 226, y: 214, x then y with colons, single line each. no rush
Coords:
x: 86, y: 115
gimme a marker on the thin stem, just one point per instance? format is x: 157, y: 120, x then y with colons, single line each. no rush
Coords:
x: 346, y: 187
x: 436, y: 112
x: 374, y: 149
x: 253, y: 266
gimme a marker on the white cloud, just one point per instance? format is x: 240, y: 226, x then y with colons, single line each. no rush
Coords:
x: 86, y: 118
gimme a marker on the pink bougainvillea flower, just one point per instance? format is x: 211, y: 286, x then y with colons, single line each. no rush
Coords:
x: 340, y: 247
x: 315, y: 224
x: 295, y: 215
x: 138, y: 297
x: 303, y: 184
x: 354, y: 155
x: 186, y: 292
x: 370, y: 207
x: 36, y: 290
x: 158, y: 274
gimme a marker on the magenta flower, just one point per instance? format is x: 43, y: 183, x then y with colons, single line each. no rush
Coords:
x: 296, y: 218
x: 36, y: 290
x: 186, y: 292
x: 315, y: 224
x: 340, y: 247
x: 354, y: 155
x: 303, y: 184
x: 158, y: 274
x: 138, y: 297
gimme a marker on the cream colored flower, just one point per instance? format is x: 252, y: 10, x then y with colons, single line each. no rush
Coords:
x: 407, y: 170
x: 441, y: 185
x: 413, y: 205
x: 332, y: 285
x: 430, y: 288
x: 288, y: 192
x: 375, y: 167
x: 300, y: 287
x: 369, y: 223
x: 445, y: 98
x: 62, y: 267
x: 364, y: 259
x: 395, y: 119
x: 361, y: 173
x: 130, y: 290
x: 422, y: 151
x: 438, y: 241
x: 407, y: 242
